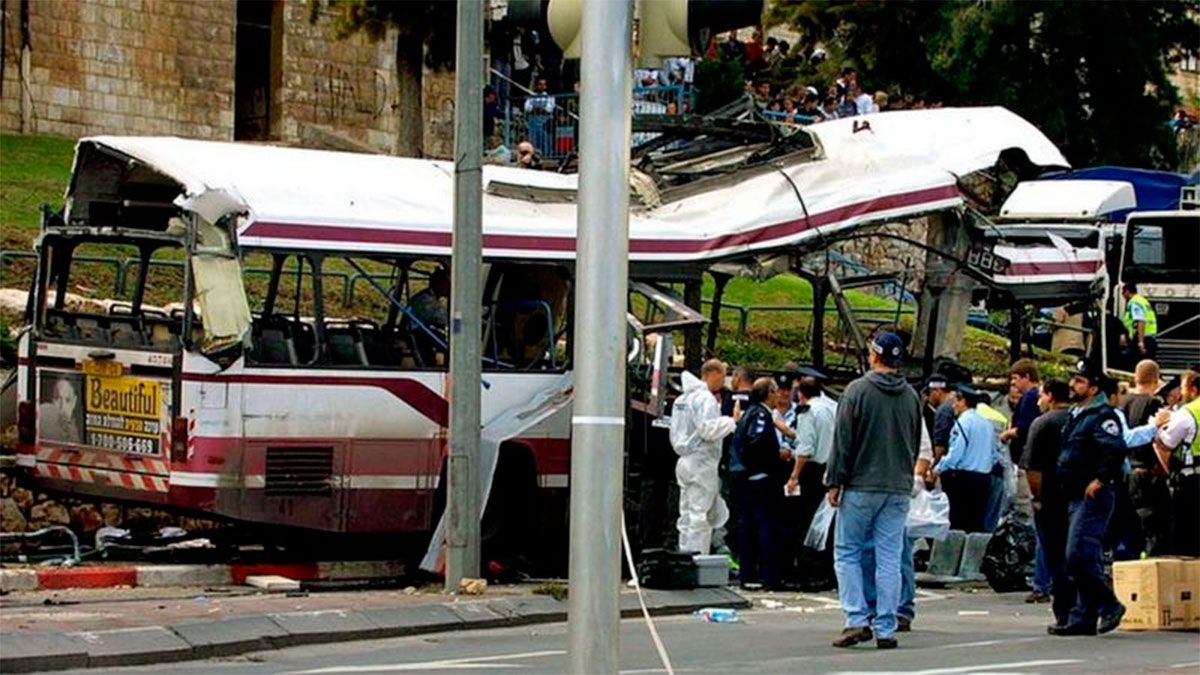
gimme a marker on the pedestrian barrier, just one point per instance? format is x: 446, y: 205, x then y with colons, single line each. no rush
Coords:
x: 946, y: 556
x: 970, y: 568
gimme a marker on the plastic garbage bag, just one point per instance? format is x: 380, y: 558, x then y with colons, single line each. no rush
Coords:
x: 928, y: 515
x: 818, y: 531
x: 1008, y: 558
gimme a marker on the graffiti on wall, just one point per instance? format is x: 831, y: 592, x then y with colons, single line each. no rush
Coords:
x: 341, y: 93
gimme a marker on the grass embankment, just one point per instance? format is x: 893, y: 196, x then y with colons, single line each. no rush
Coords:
x: 35, y: 170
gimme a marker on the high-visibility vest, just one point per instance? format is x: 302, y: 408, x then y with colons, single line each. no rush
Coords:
x: 1190, y: 446
x: 1147, y: 311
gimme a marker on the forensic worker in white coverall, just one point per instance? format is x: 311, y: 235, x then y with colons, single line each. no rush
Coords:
x: 697, y: 428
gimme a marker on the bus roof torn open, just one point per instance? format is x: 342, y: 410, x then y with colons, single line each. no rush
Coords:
x: 837, y: 176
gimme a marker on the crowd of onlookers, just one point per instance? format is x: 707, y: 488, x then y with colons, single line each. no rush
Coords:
x: 532, y: 99
x: 1097, y: 466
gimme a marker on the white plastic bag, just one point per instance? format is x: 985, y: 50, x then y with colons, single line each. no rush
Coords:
x: 928, y: 515
x: 818, y: 531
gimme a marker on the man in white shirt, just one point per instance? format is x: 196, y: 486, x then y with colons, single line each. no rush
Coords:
x: 1178, y: 449
x: 816, y: 416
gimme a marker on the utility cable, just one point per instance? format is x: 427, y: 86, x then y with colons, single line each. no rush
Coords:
x: 637, y: 586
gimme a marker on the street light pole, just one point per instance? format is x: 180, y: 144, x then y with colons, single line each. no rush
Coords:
x: 598, y: 424
x: 462, y: 490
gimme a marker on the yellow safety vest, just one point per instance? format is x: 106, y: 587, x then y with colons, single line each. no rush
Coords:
x: 1147, y: 310
x: 1191, y: 447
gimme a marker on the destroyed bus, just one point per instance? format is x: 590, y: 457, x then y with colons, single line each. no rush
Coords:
x: 294, y: 373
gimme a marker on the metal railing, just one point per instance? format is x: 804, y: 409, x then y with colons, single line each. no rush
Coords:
x: 744, y: 311
x: 551, y: 121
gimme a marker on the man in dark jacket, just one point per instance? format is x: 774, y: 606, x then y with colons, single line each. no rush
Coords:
x: 870, y: 478
x: 765, y: 468
x: 1089, y: 471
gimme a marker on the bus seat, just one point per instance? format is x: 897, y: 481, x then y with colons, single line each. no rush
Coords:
x: 345, y: 348
x: 303, y: 342
x: 125, y: 333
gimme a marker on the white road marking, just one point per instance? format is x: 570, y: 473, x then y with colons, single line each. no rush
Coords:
x: 989, y: 643
x: 980, y: 669
x: 1193, y: 664
x: 988, y: 667
x: 474, y: 662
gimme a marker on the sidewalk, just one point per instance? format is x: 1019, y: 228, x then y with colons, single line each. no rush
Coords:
x: 54, y: 630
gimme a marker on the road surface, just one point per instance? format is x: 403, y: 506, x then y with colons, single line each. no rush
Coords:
x: 956, y: 632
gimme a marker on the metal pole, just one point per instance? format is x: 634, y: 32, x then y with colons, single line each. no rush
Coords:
x: 462, y: 490
x: 598, y: 425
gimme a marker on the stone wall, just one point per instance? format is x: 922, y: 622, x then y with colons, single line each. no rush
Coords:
x: 168, y: 67
x: 348, y: 86
x: 122, y: 67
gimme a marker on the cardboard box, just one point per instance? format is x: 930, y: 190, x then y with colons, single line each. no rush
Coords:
x: 1159, y: 593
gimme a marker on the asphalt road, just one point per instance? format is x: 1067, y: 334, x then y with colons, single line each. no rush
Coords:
x: 955, y: 633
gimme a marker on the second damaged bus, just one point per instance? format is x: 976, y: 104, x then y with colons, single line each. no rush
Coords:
x: 294, y: 372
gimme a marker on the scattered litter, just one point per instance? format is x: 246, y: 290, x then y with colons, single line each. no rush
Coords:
x: 468, y: 586
x: 973, y: 612
x: 771, y: 604
x: 718, y: 615
x: 55, y: 602
x: 410, y: 590
x: 273, y: 582
x: 200, y: 598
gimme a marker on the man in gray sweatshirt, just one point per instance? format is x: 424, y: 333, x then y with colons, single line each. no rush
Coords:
x: 870, y: 479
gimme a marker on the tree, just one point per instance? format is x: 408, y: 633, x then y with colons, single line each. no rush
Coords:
x: 1091, y: 76
x: 425, y: 37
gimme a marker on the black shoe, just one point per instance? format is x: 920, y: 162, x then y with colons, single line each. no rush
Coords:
x: 903, y: 625
x: 1072, y: 629
x: 853, y: 636
x: 1109, y: 622
x: 886, y: 643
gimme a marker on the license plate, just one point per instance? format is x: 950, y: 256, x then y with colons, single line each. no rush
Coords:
x: 103, y: 368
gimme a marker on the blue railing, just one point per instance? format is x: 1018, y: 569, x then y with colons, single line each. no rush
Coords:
x: 551, y: 121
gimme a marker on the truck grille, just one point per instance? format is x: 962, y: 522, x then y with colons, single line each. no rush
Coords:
x: 299, y: 472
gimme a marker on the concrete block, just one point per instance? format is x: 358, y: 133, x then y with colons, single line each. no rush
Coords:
x: 32, y: 652
x: 411, y: 620
x: 133, y: 646
x: 330, y: 625
x: 273, y: 582
x: 360, y: 569
x: 18, y: 580
x: 946, y: 554
x: 231, y: 636
x: 972, y: 556
x: 158, y: 576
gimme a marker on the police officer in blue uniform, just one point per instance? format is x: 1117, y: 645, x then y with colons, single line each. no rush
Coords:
x: 1089, y: 473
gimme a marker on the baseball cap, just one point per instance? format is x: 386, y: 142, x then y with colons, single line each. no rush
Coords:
x: 889, y: 347
x: 936, y: 381
x: 1171, y: 385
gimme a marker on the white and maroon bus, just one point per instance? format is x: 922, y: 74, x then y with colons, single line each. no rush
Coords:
x: 276, y: 354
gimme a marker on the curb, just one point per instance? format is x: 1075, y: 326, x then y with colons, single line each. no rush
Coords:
x: 163, y: 576
x: 29, y: 652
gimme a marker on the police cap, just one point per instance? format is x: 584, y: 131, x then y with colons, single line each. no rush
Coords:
x: 1090, y: 371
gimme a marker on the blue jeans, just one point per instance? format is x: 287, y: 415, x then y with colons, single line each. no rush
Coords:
x: 1041, y: 571
x: 908, y: 581
x: 866, y: 521
x: 1051, y: 524
x: 1085, y: 557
